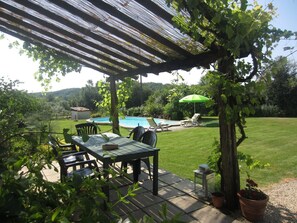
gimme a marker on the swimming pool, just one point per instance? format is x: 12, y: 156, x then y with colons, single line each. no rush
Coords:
x: 132, y: 121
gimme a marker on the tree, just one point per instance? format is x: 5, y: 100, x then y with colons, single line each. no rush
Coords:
x: 135, y: 100
x: 281, y: 77
x: 14, y: 107
x: 179, y: 89
x: 237, y: 30
x: 114, y: 99
x: 233, y: 29
x: 88, y: 96
x: 25, y: 195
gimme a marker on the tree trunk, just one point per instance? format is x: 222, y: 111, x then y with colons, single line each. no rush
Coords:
x: 230, y: 170
x: 114, y: 106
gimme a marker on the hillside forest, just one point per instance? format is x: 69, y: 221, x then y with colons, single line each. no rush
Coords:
x: 278, y: 83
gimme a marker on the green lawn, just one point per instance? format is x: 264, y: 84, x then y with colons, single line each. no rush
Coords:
x: 270, y: 140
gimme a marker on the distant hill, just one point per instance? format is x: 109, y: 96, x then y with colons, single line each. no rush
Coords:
x: 65, y: 93
x: 71, y: 93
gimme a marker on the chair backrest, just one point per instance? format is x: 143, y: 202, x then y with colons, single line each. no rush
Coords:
x: 55, y: 148
x: 149, y: 138
x: 137, y: 133
x: 53, y: 139
x: 53, y: 142
x: 195, y: 117
x: 87, y: 128
x: 151, y: 122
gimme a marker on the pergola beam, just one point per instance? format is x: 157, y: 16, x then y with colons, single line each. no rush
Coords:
x: 87, y: 32
x: 71, y: 42
x: 200, y: 60
x: 121, y: 16
x: 50, y: 44
x: 121, y: 42
x: 114, y: 31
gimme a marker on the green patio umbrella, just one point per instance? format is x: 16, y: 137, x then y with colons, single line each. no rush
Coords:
x: 193, y: 98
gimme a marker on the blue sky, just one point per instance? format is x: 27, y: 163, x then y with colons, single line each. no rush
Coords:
x: 14, y: 66
x: 286, y: 19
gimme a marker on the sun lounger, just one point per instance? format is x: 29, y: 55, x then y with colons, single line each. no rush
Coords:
x: 192, y: 121
x: 155, y: 126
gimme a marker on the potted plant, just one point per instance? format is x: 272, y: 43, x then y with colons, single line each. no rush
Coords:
x: 252, y: 201
x: 217, y: 199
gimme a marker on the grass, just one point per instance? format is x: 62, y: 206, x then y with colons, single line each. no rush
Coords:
x: 270, y: 140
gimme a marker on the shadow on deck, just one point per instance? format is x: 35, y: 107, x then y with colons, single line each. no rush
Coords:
x: 176, y: 193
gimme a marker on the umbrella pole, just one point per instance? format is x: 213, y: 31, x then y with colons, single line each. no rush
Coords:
x: 194, y: 108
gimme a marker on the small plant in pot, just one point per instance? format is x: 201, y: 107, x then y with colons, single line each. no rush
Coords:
x: 252, y: 201
x: 218, y: 199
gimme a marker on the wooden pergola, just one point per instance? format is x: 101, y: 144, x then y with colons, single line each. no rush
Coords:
x: 126, y: 38
x: 120, y: 38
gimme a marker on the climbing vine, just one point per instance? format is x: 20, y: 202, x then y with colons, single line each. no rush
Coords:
x: 242, y: 33
x: 124, y: 91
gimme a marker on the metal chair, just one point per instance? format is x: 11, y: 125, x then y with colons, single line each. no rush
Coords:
x: 136, y: 133
x: 67, y: 147
x: 86, y: 128
x: 80, y: 165
x: 149, y: 138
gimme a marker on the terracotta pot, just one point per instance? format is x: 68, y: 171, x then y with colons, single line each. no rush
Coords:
x: 217, y: 199
x: 252, y: 210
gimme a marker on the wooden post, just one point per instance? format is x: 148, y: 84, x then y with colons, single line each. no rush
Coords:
x: 230, y: 169
x: 230, y: 172
x: 114, y: 106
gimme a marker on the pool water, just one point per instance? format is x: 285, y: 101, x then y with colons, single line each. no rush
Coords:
x: 133, y: 121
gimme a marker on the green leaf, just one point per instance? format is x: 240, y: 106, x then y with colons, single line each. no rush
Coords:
x: 217, y: 18
x: 243, y: 5
x: 238, y: 99
x: 57, y: 211
x: 85, y: 137
x: 246, y: 110
x: 19, y: 163
x: 67, y: 137
x: 106, y: 138
x: 224, y: 98
x: 229, y: 31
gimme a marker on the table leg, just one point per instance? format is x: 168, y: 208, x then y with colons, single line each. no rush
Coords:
x: 155, y: 173
x: 136, y: 170
x: 125, y: 166
x: 105, y: 189
x: 195, y: 179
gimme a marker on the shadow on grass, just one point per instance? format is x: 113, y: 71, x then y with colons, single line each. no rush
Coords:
x: 212, y: 124
x: 209, y: 122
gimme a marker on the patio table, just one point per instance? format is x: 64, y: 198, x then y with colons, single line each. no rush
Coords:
x: 127, y: 150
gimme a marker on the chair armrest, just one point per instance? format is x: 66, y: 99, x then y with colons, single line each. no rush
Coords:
x: 130, y: 133
x: 74, y: 154
x: 68, y: 152
x: 79, y: 163
x: 67, y: 145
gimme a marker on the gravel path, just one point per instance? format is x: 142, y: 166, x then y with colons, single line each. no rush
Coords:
x: 282, y: 206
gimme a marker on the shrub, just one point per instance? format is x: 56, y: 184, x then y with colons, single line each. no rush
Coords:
x: 154, y: 110
x: 268, y: 111
x: 135, y: 111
